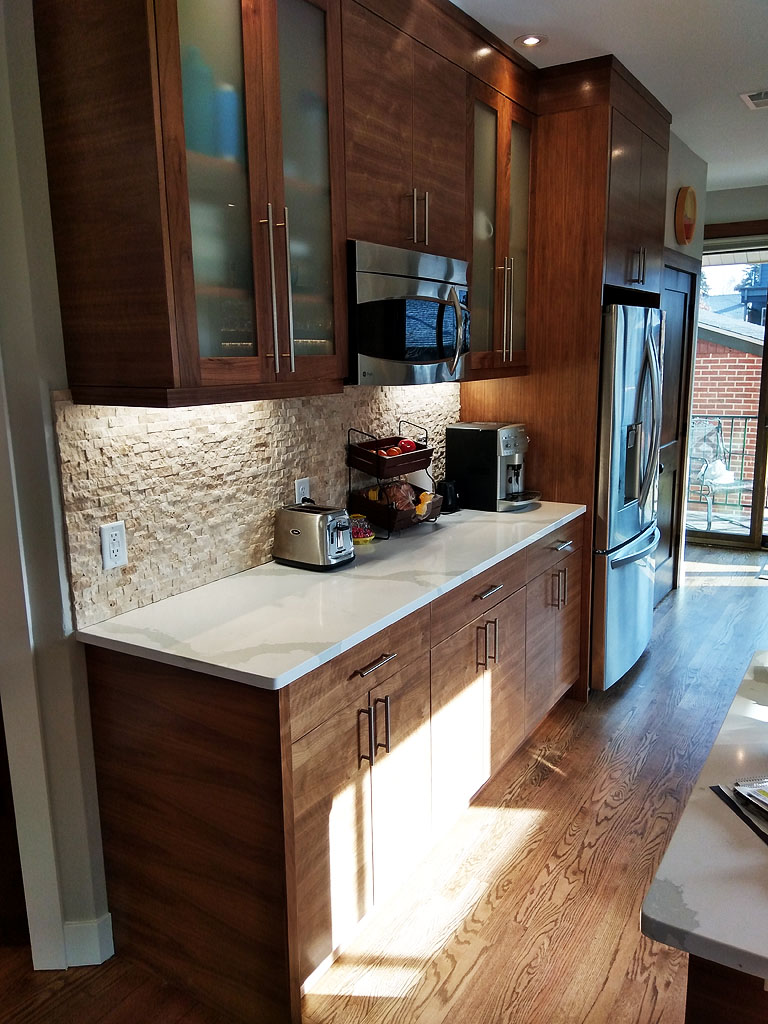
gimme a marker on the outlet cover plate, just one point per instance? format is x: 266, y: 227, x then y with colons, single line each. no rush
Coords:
x: 114, y: 549
x: 301, y: 488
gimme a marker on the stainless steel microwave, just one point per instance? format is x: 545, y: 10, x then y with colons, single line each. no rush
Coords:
x: 409, y: 316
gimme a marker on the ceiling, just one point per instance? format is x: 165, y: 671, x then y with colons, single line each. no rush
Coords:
x: 695, y: 56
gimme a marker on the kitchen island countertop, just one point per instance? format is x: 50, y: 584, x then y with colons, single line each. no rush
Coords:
x: 709, y: 894
x: 271, y: 624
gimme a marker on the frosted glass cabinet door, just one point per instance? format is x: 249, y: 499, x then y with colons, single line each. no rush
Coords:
x: 306, y: 173
x: 484, y: 228
x: 211, y: 44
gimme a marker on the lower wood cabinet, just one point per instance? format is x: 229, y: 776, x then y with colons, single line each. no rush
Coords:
x: 248, y: 831
x: 478, y: 686
x: 552, y: 636
x: 361, y: 789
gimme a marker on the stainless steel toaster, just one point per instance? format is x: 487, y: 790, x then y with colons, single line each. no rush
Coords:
x: 313, y: 536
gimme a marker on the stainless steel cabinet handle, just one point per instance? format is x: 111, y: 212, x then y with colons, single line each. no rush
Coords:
x: 426, y: 218
x: 488, y: 593
x: 504, y: 310
x: 557, y: 594
x: 290, y: 289
x: 495, y: 655
x: 511, y: 317
x: 270, y: 222
x: 644, y: 253
x: 415, y: 224
x: 376, y: 664
x: 564, y: 573
x: 371, y: 715
x: 564, y: 545
x: 387, y: 744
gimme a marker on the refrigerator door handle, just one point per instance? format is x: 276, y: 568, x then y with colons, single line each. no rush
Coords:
x: 655, y: 373
x: 616, y: 563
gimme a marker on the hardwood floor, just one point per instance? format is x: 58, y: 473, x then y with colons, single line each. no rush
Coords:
x: 529, y: 914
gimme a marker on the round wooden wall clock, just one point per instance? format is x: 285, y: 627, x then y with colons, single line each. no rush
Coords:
x: 685, y: 215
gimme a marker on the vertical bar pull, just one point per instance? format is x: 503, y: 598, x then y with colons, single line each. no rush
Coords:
x: 505, y: 310
x: 371, y: 755
x: 565, y: 585
x: 426, y: 218
x: 290, y: 289
x: 415, y: 223
x: 511, y: 292
x: 495, y: 656
x: 387, y: 744
x: 556, y: 598
x: 270, y: 222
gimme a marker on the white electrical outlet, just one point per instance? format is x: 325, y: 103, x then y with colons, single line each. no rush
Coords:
x: 114, y: 550
x: 301, y: 488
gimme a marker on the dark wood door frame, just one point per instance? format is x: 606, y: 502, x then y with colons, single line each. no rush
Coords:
x: 682, y: 262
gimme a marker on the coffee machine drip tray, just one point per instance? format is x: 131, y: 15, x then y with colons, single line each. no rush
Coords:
x: 518, y: 502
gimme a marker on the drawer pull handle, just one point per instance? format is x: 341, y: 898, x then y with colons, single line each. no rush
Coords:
x: 371, y: 715
x: 377, y: 664
x: 564, y: 545
x: 488, y: 593
x: 387, y: 744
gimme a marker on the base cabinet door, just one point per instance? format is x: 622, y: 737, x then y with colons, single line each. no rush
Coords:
x: 552, y: 636
x: 361, y: 785
x: 506, y: 698
x: 568, y: 634
x: 459, y: 758
x: 332, y: 816
x: 401, y: 777
x: 478, y: 718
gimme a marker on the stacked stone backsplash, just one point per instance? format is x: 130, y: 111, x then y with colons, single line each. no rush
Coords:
x: 198, y: 488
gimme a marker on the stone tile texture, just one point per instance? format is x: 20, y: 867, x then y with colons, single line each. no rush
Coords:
x: 198, y: 488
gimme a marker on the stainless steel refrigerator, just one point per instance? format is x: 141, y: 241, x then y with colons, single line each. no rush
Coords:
x: 626, y: 534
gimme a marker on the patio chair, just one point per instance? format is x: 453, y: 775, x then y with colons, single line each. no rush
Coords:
x: 710, y: 463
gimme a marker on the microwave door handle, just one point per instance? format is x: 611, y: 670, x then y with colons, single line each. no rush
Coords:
x: 454, y: 298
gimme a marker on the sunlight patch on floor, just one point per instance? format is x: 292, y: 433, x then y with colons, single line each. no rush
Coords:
x: 396, y: 943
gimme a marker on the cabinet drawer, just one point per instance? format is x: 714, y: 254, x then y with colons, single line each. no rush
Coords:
x: 556, y: 545
x: 455, y: 609
x: 320, y: 694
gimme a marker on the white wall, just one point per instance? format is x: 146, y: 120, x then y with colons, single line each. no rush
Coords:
x: 685, y: 168
x: 735, y: 204
x: 42, y: 677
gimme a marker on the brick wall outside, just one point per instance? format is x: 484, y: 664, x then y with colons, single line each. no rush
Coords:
x: 726, y: 384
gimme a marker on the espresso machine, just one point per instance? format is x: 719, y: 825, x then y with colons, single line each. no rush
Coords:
x: 487, y: 462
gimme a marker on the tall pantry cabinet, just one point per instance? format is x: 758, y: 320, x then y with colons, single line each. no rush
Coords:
x: 597, y: 222
x: 195, y: 167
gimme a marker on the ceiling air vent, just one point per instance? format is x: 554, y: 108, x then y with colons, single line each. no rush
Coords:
x: 756, y: 100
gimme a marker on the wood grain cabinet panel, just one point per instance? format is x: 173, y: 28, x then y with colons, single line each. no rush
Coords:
x: 636, y: 208
x: 478, y: 595
x: 405, y: 135
x: 181, y: 277
x: 552, y: 636
x: 478, y: 720
x: 361, y: 784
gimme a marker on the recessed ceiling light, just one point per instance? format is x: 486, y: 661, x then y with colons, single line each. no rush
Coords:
x: 530, y: 39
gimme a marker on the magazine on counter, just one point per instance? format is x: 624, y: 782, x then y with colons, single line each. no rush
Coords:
x: 749, y: 799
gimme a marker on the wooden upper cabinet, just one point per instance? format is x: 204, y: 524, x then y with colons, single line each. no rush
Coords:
x: 176, y: 140
x: 634, y: 243
x: 501, y: 140
x: 405, y: 114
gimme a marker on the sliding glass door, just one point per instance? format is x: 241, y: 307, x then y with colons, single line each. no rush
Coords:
x: 726, y: 499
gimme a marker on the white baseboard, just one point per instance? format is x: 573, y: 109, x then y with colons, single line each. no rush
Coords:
x: 88, y: 942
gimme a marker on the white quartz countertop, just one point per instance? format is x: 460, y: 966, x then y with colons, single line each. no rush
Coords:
x: 710, y: 893
x: 272, y: 624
